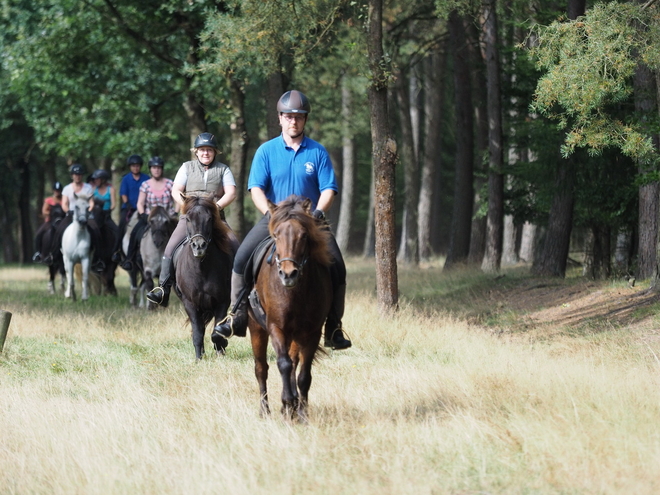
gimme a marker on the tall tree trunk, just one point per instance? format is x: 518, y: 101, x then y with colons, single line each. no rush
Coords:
x: 553, y: 257
x: 480, y: 102
x: 384, y: 160
x: 238, y: 159
x: 348, y: 174
x: 408, y: 250
x: 528, y: 242
x: 646, y: 104
x: 194, y: 111
x: 275, y: 89
x: 25, y: 234
x: 459, y: 240
x: 494, y: 224
x: 433, y: 109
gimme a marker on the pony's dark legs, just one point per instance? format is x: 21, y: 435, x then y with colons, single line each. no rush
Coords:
x: 286, y: 368
x: 197, y: 324
x: 259, y: 339
x: 305, y: 378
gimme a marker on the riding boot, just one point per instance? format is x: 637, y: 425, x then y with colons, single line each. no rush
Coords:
x: 36, y: 257
x: 236, y: 321
x: 334, y: 335
x: 161, y: 294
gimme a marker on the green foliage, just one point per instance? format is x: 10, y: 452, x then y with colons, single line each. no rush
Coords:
x: 588, y: 65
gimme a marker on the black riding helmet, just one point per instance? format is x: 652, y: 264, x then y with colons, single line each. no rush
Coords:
x: 156, y: 161
x: 57, y: 186
x: 134, y: 159
x: 101, y: 174
x: 206, y: 139
x: 77, y: 169
x: 293, y: 102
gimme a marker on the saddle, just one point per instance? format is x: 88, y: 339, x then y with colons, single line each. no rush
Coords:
x: 265, y: 248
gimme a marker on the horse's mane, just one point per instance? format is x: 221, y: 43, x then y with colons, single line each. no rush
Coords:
x: 298, y: 208
x: 220, y: 232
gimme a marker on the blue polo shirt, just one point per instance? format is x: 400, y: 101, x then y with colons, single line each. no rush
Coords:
x: 131, y: 188
x: 281, y: 171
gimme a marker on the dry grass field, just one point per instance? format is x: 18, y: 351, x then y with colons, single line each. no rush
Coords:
x: 477, y: 385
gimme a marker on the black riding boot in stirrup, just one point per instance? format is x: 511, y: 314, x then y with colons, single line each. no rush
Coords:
x: 161, y: 294
x: 236, y: 321
x: 334, y: 335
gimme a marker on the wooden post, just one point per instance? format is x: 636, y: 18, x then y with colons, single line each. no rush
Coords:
x: 5, y: 318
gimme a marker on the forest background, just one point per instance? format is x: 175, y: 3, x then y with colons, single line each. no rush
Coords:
x: 487, y: 132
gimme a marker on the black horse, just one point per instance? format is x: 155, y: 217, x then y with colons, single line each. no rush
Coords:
x: 108, y: 230
x: 203, y: 268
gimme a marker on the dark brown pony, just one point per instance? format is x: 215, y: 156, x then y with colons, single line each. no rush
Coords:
x: 203, y: 268
x: 295, y: 291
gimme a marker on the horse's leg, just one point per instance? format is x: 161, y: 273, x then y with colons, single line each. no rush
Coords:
x: 259, y: 338
x: 70, y: 291
x: 52, y: 271
x: 85, y: 277
x: 147, y: 286
x: 293, y: 354
x: 285, y: 366
x: 197, y: 324
x: 306, y: 356
x: 132, y: 275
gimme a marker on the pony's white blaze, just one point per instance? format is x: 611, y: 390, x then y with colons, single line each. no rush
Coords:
x: 76, y: 246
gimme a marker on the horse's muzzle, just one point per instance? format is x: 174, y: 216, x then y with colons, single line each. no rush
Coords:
x: 289, y: 280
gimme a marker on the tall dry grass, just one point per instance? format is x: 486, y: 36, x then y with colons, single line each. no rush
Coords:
x: 98, y: 398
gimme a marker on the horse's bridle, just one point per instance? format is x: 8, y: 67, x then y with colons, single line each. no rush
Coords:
x: 190, y: 238
x: 298, y: 264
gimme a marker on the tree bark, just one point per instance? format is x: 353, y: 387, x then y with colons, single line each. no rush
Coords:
x: 495, y: 220
x: 480, y: 103
x: 646, y: 104
x: 348, y: 174
x: 459, y: 240
x: 528, y: 242
x: 554, y: 255
x: 238, y: 159
x: 433, y: 106
x: 275, y: 89
x: 384, y: 160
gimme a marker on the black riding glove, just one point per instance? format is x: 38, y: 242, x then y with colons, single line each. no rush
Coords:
x: 144, y: 217
x: 319, y: 214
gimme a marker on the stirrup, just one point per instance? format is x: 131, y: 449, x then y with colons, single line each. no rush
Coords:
x: 330, y: 341
x: 156, y: 292
x: 229, y: 321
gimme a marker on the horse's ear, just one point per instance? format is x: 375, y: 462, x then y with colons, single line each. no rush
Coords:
x: 184, y: 196
x: 307, y: 205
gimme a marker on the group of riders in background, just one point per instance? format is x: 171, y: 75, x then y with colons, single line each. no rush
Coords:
x: 290, y: 164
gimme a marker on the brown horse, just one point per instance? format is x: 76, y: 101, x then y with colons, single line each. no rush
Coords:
x: 203, y: 268
x: 295, y: 291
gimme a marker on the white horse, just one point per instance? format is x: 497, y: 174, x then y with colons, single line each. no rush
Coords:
x: 76, y: 244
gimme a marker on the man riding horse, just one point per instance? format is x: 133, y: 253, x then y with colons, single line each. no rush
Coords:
x: 289, y: 164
